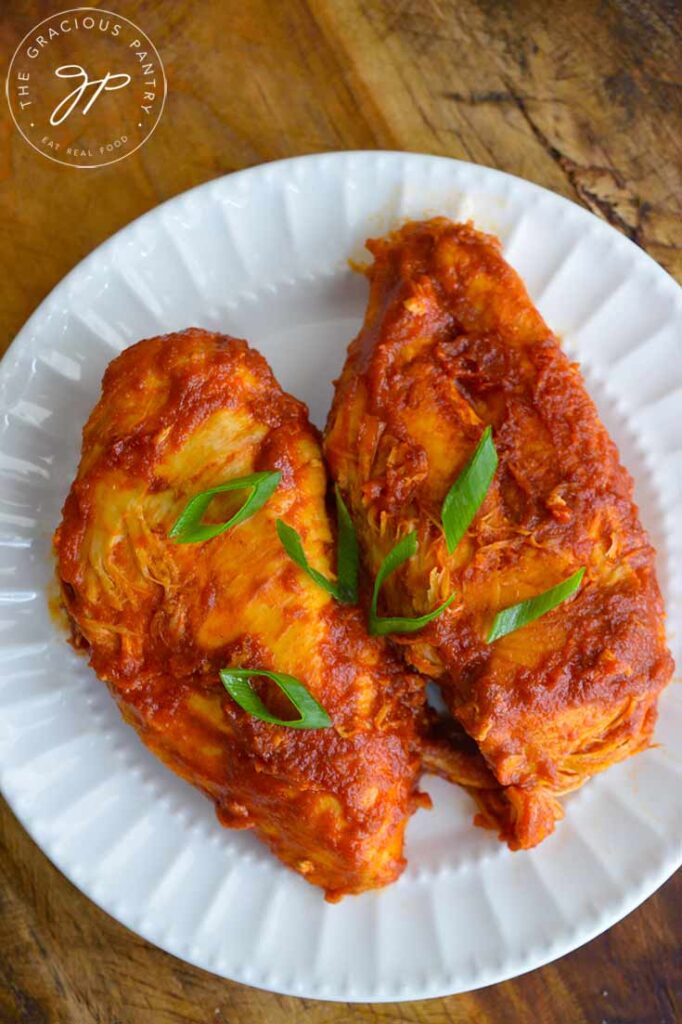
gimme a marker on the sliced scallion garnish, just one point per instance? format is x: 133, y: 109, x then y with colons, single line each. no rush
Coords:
x: 518, y: 615
x: 188, y: 528
x: 468, y: 492
x: 380, y: 626
x: 237, y: 683
x: 348, y: 555
x: 345, y: 589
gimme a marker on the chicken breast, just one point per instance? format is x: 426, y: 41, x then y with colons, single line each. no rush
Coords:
x: 180, y: 414
x: 451, y: 344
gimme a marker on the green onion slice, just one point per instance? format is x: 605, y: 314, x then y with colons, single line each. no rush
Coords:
x: 518, y: 615
x: 468, y: 492
x: 380, y: 626
x: 188, y: 528
x: 345, y: 589
x: 237, y: 683
x: 348, y: 555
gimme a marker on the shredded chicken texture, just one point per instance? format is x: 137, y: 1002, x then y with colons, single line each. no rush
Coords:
x: 178, y: 415
x: 451, y: 343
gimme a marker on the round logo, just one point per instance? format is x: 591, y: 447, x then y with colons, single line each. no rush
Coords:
x: 86, y: 87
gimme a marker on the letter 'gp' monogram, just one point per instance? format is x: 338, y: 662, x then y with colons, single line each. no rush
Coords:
x: 107, y: 84
x: 86, y: 87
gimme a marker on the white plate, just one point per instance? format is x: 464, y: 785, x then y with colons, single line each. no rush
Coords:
x: 263, y: 254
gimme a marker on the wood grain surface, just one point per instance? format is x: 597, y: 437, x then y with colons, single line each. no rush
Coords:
x: 582, y: 97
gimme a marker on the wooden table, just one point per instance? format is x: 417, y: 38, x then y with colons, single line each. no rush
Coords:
x: 582, y: 97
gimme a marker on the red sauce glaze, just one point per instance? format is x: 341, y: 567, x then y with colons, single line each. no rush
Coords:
x: 179, y: 414
x: 451, y: 343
